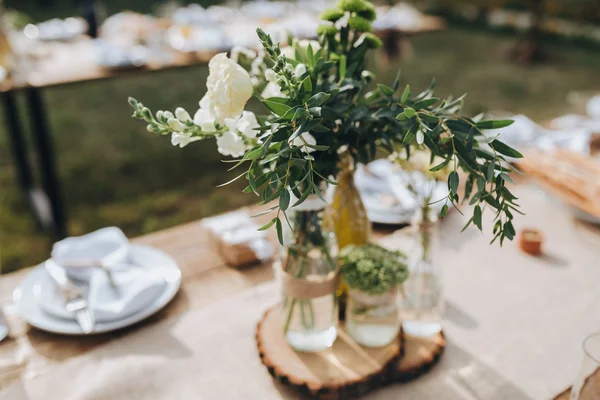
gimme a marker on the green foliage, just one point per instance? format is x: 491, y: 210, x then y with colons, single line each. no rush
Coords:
x: 360, y: 24
x: 372, y: 269
x: 369, y: 12
x: 332, y: 14
x: 354, y: 5
x: 325, y: 30
x: 372, y: 41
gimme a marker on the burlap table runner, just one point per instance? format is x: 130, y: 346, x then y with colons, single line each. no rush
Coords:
x: 514, y: 324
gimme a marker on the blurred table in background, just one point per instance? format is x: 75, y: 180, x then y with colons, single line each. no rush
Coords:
x: 514, y: 322
x: 71, y: 62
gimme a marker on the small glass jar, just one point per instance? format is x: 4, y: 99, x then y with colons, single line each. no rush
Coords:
x: 373, y: 320
x: 422, y: 306
x: 307, y: 272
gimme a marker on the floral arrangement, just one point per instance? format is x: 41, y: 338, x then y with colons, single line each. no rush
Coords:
x: 372, y: 269
x: 322, y: 102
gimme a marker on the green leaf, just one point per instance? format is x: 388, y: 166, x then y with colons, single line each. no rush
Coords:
x: 425, y: 103
x: 342, y: 67
x: 505, y: 149
x: 453, y: 181
x: 405, y: 94
x: 307, y: 84
x: 276, y: 107
x: 284, y: 200
x: 386, y: 90
x: 401, y: 117
x: 506, y: 177
x: 279, y: 230
x: 252, y: 183
x: 494, y: 124
x: 255, y: 154
x: 490, y: 171
x: 441, y: 165
x: 444, y: 211
x: 318, y: 99
x: 310, y: 57
x: 477, y: 217
x: 409, y: 112
x: 268, y: 225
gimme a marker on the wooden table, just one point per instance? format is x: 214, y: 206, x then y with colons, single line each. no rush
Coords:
x: 567, y: 263
x: 71, y: 63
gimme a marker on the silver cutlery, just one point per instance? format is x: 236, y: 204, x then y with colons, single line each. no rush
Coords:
x: 75, y: 302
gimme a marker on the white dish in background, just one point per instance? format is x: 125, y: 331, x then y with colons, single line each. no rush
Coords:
x: 386, y: 204
x: 26, y: 297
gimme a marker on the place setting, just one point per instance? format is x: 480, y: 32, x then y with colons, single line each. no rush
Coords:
x: 97, y: 283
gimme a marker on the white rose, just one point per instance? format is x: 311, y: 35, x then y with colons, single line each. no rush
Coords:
x: 230, y: 144
x: 229, y: 87
x: 176, y: 125
x: 302, y: 140
x: 272, y: 90
x: 182, y: 139
x: 182, y: 115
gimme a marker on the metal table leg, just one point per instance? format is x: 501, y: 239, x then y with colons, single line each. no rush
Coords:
x: 47, y: 165
x: 17, y: 141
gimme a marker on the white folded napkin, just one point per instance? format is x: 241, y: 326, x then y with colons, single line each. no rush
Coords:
x: 82, y: 255
x: 135, y: 288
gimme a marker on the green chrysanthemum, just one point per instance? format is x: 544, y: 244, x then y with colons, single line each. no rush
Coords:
x: 360, y: 24
x: 326, y: 30
x: 369, y: 12
x: 372, y: 268
x: 354, y: 5
x: 372, y: 41
x: 332, y: 14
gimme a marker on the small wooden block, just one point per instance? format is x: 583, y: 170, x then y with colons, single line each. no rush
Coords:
x: 345, y: 370
x: 420, y: 355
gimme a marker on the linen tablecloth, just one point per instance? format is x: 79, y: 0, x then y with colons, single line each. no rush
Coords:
x: 514, y: 325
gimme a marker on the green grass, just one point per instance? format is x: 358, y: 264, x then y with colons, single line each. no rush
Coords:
x: 115, y: 173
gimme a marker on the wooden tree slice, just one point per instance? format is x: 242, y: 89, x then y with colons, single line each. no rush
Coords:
x: 345, y: 370
x: 420, y: 355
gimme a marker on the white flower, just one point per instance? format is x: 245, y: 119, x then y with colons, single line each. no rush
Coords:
x: 168, y: 115
x: 289, y: 52
x: 302, y: 140
x: 182, y: 115
x: 299, y: 70
x: 237, y: 50
x: 182, y: 139
x: 229, y: 87
x: 247, y: 124
x: 271, y: 76
x: 176, y: 125
x: 230, y: 144
x: 204, y: 117
x: 272, y: 90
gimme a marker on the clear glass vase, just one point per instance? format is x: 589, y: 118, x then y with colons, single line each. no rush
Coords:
x: 422, y: 305
x: 373, y: 320
x: 307, y: 271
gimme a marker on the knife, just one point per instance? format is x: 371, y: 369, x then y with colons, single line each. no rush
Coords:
x: 75, y: 302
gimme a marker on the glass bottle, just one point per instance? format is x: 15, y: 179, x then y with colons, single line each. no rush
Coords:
x: 422, y: 305
x: 373, y: 320
x: 347, y: 215
x: 307, y: 272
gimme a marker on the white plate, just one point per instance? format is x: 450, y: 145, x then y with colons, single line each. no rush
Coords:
x: 26, y: 295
